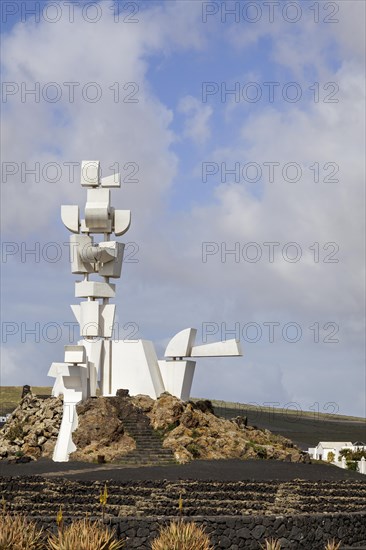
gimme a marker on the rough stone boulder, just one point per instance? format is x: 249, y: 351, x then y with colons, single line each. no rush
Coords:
x: 31, y: 430
x: 100, y: 431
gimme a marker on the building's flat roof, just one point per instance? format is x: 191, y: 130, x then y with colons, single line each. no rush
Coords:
x: 334, y: 443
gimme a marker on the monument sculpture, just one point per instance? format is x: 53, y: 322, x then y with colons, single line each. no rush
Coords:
x: 97, y: 361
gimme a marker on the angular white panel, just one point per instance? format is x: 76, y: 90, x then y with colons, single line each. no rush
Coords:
x: 122, y: 221
x: 111, y: 181
x: 93, y: 289
x: 181, y: 344
x: 79, y: 245
x: 93, y: 352
x: 135, y: 367
x: 74, y: 354
x: 178, y: 377
x: 106, y: 364
x: 90, y: 173
x: 217, y: 349
x: 70, y: 217
x: 89, y: 319
x: 106, y: 319
x: 76, y: 309
x: 97, y: 208
x: 112, y: 268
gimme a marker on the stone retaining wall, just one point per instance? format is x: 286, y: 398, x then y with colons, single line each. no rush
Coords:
x: 300, y: 532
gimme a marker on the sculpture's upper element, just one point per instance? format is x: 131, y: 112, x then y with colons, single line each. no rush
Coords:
x: 100, y: 217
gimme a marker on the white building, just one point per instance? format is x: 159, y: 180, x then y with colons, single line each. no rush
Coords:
x: 321, y: 451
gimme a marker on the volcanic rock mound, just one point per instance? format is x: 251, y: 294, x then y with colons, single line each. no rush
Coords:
x: 139, y: 430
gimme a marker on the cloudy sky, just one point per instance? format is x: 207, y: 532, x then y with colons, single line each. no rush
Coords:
x: 238, y: 128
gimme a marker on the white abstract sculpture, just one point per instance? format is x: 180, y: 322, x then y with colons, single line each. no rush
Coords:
x: 97, y: 361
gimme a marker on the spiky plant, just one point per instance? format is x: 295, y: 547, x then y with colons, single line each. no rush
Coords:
x: 271, y: 544
x: 18, y: 533
x: 179, y: 535
x: 332, y: 545
x: 84, y: 535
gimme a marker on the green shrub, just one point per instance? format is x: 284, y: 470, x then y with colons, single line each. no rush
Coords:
x: 194, y: 449
x: 15, y: 432
x: 182, y: 536
x: 352, y: 465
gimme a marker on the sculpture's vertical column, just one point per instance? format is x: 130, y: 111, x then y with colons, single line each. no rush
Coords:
x: 92, y: 260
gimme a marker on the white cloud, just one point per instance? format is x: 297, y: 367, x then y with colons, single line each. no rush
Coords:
x: 197, y: 122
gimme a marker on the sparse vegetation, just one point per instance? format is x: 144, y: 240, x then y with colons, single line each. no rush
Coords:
x: 194, y: 449
x: 179, y: 535
x: 352, y: 457
x: 330, y: 457
x: 18, y: 533
x: 84, y: 535
x: 271, y: 544
x: 332, y: 545
x: 15, y: 432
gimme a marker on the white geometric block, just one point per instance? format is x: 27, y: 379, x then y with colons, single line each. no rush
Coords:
x: 181, y: 344
x: 85, y: 229
x: 93, y: 289
x: 74, y: 354
x: 217, y: 349
x: 105, y: 322
x: 70, y: 217
x: 97, y: 208
x: 89, y: 319
x: 113, y: 180
x: 178, y: 377
x: 58, y: 384
x: 90, y: 173
x: 121, y: 221
x: 135, y: 367
x: 112, y: 268
x: 79, y: 246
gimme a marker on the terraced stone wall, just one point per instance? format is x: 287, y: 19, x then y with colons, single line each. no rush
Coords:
x: 300, y: 532
x: 302, y: 514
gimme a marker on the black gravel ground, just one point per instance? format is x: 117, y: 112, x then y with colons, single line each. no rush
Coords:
x: 304, y: 431
x: 220, y: 470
